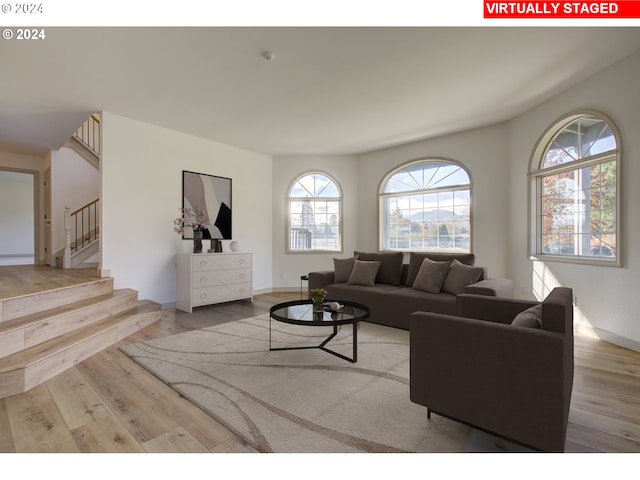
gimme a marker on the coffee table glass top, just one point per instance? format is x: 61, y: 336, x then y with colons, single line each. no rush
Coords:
x: 301, y: 312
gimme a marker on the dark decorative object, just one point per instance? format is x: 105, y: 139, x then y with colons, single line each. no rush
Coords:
x: 212, y: 195
x: 216, y: 245
x: 197, y: 241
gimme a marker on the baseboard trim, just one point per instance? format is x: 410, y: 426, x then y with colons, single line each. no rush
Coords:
x: 285, y: 290
x: 608, y: 337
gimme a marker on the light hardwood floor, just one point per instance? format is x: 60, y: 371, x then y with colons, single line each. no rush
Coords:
x: 108, y: 403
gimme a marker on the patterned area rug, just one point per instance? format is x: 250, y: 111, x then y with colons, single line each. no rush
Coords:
x: 302, y: 400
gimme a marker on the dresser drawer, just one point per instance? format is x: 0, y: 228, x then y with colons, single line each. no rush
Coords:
x: 220, y: 277
x: 223, y: 293
x: 220, y: 262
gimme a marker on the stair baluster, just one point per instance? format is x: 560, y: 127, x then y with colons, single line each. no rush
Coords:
x: 81, y: 229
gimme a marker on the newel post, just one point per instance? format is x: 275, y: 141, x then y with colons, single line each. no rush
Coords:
x: 66, y: 261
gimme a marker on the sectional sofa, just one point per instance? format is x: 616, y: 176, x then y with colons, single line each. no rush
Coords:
x: 393, y: 290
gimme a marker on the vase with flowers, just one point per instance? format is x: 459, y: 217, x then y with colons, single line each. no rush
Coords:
x: 194, y: 219
x: 317, y: 297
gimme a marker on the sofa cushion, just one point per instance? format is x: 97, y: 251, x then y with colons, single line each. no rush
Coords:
x: 416, y: 258
x: 459, y: 276
x: 397, y: 305
x: 366, y: 295
x: 391, y: 265
x: 364, y: 273
x: 431, y: 276
x: 342, y: 268
x: 530, y: 318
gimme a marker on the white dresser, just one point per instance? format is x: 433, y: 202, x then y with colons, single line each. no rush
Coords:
x: 206, y: 278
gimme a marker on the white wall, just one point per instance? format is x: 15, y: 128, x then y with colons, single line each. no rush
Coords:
x: 288, y: 267
x: 607, y: 297
x: 484, y: 153
x: 74, y: 182
x: 142, y: 168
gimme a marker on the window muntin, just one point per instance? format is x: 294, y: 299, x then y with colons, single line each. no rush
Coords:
x: 315, y: 215
x: 577, y: 184
x: 585, y: 137
x: 426, y: 205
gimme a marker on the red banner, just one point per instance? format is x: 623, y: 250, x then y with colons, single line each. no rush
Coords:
x: 562, y: 9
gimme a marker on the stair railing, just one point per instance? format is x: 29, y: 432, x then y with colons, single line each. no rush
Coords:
x: 80, y: 228
x: 89, y: 134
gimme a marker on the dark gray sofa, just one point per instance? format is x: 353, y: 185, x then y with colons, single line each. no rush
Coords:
x: 392, y: 298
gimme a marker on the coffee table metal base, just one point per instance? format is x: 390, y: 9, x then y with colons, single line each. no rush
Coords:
x: 322, y: 346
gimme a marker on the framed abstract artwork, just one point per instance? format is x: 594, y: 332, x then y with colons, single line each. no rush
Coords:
x: 212, y: 195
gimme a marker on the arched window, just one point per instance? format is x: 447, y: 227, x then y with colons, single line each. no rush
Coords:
x: 426, y: 205
x: 574, y: 194
x: 315, y: 214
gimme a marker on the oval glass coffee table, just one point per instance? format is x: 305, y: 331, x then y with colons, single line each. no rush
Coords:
x: 300, y: 312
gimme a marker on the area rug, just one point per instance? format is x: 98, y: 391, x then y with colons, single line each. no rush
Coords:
x: 302, y: 400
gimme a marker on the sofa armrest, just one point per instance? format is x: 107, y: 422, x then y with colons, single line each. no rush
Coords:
x: 504, y: 379
x: 320, y: 279
x: 495, y: 287
x: 492, y: 309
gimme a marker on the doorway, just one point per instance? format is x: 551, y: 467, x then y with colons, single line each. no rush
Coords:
x: 17, y: 217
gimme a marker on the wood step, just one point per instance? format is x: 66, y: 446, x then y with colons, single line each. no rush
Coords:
x: 28, y: 368
x: 21, y: 306
x: 25, y: 332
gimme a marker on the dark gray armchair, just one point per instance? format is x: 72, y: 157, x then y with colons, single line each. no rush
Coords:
x: 480, y: 369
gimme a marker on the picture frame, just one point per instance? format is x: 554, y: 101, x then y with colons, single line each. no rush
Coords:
x: 211, y: 194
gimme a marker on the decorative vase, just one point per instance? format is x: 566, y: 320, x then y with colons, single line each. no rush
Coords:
x: 318, y: 304
x: 197, y: 241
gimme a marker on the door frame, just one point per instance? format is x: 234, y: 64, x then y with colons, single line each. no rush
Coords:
x: 37, y: 257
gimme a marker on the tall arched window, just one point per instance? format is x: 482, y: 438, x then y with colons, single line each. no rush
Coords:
x: 315, y: 214
x: 575, y: 191
x: 426, y: 205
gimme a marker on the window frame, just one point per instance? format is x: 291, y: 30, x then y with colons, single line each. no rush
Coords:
x: 290, y: 199
x: 537, y: 172
x: 382, y: 196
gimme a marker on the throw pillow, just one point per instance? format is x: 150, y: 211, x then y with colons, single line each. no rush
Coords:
x: 530, y: 318
x: 390, y: 268
x: 460, y: 276
x: 364, y: 273
x: 342, y: 268
x: 431, y: 276
x: 416, y: 258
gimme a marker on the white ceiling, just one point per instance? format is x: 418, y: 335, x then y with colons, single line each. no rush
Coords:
x: 328, y: 91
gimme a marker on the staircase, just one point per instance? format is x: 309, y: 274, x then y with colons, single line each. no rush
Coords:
x: 86, y: 141
x: 82, y: 240
x: 45, y: 333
